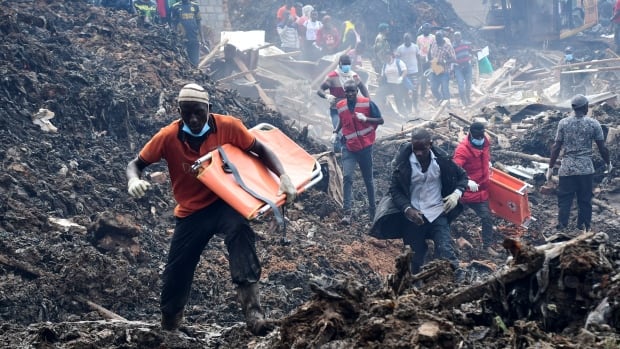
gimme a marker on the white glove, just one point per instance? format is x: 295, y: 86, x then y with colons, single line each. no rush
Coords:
x: 472, y: 185
x: 608, y: 168
x: 137, y: 187
x: 333, y: 137
x: 549, y: 173
x: 361, y: 117
x: 400, y: 79
x: 450, y: 201
x: 330, y: 98
x: 287, y: 187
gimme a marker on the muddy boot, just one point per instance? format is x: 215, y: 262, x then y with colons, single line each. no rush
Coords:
x: 254, y: 317
x: 171, y: 322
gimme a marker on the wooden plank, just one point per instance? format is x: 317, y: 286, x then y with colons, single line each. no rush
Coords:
x: 215, y: 51
x: 509, y: 65
x: 592, y: 70
x: 330, y: 67
x: 263, y: 96
x: 107, y: 314
x: 512, y: 77
x: 234, y: 76
x: 592, y: 63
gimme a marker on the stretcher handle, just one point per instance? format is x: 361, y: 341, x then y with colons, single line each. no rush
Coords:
x: 317, y: 176
x: 201, y: 160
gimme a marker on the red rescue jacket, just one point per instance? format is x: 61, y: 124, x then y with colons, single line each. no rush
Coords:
x: 357, y: 134
x: 476, y: 163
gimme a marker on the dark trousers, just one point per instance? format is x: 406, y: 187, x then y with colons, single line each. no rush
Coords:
x: 439, y: 232
x: 568, y: 187
x: 191, y: 235
x: 423, y: 80
x: 350, y: 159
x: 400, y: 93
x: 412, y: 95
x: 484, y: 213
x: 193, y: 52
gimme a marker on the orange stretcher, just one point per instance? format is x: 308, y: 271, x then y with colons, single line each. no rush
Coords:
x: 245, y: 183
x: 508, y: 198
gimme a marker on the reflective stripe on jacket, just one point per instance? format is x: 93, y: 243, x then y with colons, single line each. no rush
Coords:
x: 357, y: 134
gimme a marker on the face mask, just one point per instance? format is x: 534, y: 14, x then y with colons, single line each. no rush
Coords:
x: 345, y: 68
x: 569, y: 57
x: 477, y: 142
x: 205, y: 128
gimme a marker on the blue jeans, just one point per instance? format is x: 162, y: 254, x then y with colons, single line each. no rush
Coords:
x: 439, y: 232
x: 568, y: 187
x: 462, y: 72
x: 484, y: 213
x: 440, y: 86
x: 363, y: 158
x: 333, y: 114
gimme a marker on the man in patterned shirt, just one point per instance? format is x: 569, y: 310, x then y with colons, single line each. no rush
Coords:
x: 575, y: 134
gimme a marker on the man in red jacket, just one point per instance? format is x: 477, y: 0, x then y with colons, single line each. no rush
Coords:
x: 473, y: 155
x: 359, y: 117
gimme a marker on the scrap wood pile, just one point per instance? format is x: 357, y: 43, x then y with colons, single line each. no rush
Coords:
x: 561, y: 294
x: 534, y: 77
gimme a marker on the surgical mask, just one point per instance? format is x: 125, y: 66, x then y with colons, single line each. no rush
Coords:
x: 477, y: 142
x: 345, y: 68
x: 205, y: 128
x: 568, y: 57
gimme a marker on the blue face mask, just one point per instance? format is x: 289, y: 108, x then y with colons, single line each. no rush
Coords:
x: 477, y: 142
x: 205, y: 128
x: 345, y: 68
x: 568, y: 57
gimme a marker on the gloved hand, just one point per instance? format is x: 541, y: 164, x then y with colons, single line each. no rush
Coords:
x: 549, y: 173
x: 330, y: 98
x: 333, y: 138
x: 287, y: 187
x: 472, y: 185
x: 450, y: 201
x: 361, y: 117
x: 137, y: 187
x: 400, y: 79
x: 414, y: 215
x: 608, y: 168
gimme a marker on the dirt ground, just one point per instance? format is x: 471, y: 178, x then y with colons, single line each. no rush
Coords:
x: 76, y: 250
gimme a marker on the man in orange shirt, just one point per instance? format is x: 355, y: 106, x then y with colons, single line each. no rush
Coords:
x: 199, y: 213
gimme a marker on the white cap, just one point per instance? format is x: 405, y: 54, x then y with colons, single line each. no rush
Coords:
x: 193, y: 93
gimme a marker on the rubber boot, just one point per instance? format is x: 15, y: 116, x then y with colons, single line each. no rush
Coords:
x: 254, y: 316
x: 171, y: 322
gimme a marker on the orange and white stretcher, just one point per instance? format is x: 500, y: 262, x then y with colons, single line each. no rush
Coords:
x: 246, y: 184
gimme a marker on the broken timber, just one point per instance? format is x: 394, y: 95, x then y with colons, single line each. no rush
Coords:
x: 529, y: 259
x: 213, y: 52
x: 248, y: 75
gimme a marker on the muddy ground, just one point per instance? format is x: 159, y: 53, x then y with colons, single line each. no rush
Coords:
x: 73, y: 241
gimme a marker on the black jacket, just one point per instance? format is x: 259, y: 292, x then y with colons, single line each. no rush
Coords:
x: 385, y: 225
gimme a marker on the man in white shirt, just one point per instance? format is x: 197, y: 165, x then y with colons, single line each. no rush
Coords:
x: 408, y: 52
